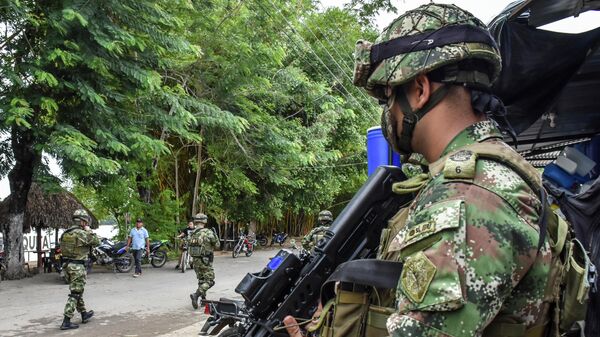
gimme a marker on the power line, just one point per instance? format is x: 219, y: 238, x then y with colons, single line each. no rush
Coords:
x: 318, y: 58
x: 327, y: 51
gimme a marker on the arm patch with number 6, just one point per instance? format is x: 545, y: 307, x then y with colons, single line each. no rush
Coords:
x: 461, y: 165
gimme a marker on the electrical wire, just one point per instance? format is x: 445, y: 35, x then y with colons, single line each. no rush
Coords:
x: 348, y: 93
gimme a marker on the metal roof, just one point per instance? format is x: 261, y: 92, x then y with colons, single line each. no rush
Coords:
x: 550, y: 81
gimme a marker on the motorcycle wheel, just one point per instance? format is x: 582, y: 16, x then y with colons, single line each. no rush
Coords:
x: 124, y: 263
x: 236, y: 251
x: 231, y: 332
x: 184, y: 261
x: 159, y: 259
x: 249, y: 252
x: 263, y: 241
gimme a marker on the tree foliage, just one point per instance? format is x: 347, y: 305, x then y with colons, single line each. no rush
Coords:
x: 246, y: 106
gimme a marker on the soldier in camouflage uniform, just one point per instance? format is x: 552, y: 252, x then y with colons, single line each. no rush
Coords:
x: 311, y: 239
x: 469, y: 241
x: 203, y: 242
x: 75, y: 244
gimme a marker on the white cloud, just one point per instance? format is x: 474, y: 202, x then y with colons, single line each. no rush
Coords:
x: 484, y: 10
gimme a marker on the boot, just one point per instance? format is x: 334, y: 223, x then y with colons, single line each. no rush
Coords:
x: 86, y: 315
x: 194, y: 298
x: 66, y: 324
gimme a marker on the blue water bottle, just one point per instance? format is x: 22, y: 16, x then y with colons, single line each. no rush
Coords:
x: 378, y: 151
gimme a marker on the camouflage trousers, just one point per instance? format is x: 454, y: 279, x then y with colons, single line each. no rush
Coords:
x: 205, y: 274
x: 75, y: 276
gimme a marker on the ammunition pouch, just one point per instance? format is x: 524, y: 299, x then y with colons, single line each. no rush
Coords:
x: 350, y: 312
x: 197, y: 251
x: 576, y: 285
x: 207, y: 259
x: 76, y: 295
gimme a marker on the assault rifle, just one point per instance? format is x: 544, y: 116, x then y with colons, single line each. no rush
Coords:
x: 290, y: 285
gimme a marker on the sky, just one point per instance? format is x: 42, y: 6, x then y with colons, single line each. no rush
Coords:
x: 485, y: 10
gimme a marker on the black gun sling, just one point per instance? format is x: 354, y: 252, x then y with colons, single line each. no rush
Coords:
x: 366, y: 272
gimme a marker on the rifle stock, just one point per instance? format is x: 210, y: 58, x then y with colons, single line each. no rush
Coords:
x: 291, y: 286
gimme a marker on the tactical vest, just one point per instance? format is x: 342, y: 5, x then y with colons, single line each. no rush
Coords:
x: 71, y: 245
x: 360, y: 311
x: 199, y: 246
x: 317, y: 236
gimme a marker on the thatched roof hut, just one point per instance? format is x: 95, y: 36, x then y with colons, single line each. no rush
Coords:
x: 48, y: 209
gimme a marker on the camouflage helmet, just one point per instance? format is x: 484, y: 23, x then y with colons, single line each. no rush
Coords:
x: 201, y: 218
x: 81, y: 214
x: 430, y: 37
x: 325, y: 216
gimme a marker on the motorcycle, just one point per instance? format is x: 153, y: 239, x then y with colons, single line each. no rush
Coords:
x: 158, y: 257
x: 243, y: 245
x: 262, y: 239
x: 109, y: 253
x: 224, y: 313
x: 279, y: 238
x: 55, y: 260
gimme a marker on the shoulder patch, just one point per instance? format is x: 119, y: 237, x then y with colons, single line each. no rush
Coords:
x: 417, y: 274
x: 461, y: 165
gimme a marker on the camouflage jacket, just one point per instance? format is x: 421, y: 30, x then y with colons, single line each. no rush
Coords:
x: 204, y: 238
x: 76, y: 242
x: 310, y: 240
x: 469, y: 247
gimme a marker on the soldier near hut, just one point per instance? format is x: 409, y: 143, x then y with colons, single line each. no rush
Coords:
x: 311, y: 239
x: 203, y: 242
x: 75, y: 243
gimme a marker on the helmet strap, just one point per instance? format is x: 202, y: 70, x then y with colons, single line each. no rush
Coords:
x: 411, y: 118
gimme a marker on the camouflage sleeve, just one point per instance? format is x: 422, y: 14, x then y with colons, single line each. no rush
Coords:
x: 463, y: 255
x: 216, y: 242
x: 91, y: 239
x: 307, y: 239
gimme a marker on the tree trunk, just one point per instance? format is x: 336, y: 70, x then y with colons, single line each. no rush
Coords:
x: 38, y: 245
x: 177, y: 187
x: 197, y: 181
x: 19, y: 178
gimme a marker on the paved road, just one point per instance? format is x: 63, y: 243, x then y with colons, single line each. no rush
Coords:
x: 153, y: 305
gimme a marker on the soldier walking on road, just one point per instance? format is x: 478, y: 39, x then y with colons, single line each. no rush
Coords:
x: 203, y: 242
x: 311, y: 239
x: 75, y: 243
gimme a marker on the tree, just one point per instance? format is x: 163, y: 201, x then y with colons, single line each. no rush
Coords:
x: 89, y: 82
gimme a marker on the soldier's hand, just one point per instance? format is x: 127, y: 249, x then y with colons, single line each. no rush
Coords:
x: 291, y: 326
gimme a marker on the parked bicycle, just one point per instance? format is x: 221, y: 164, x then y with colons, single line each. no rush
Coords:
x: 185, y: 260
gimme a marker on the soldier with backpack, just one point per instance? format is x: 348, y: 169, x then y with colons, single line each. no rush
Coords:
x: 477, y: 253
x: 203, y: 242
x: 75, y: 243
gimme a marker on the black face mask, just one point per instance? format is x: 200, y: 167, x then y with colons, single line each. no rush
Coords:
x: 389, y: 130
x: 402, y: 143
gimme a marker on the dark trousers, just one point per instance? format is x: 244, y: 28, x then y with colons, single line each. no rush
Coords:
x: 137, y: 257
